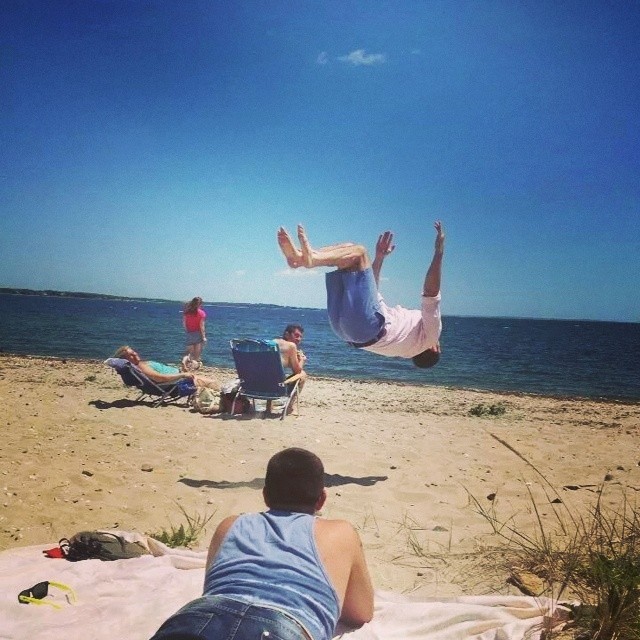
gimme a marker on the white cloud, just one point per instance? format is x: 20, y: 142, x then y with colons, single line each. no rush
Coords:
x: 323, y: 58
x: 298, y: 273
x: 360, y: 58
x: 240, y: 272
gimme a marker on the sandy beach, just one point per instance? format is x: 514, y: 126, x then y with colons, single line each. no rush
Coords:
x: 77, y: 453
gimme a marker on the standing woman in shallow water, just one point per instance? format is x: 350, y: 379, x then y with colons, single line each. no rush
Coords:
x: 193, y: 318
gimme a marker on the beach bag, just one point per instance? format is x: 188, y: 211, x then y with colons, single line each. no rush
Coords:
x: 184, y: 388
x: 228, y: 392
x: 206, y: 401
x: 99, y: 545
x: 243, y: 404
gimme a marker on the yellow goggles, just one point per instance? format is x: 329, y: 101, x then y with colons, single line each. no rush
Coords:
x: 37, y: 593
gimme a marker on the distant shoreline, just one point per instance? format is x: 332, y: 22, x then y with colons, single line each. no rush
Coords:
x: 52, y: 293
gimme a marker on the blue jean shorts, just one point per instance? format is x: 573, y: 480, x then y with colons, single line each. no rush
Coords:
x: 221, y: 618
x: 352, y: 305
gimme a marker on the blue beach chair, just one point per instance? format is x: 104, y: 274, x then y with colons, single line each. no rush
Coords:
x: 164, y: 393
x: 262, y: 375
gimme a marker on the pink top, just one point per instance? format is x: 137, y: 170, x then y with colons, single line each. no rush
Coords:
x: 409, y: 331
x: 192, y: 320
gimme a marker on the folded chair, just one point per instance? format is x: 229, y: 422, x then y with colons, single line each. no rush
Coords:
x: 262, y: 375
x: 164, y: 393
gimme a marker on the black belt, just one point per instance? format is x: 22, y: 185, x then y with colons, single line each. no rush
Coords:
x: 361, y: 345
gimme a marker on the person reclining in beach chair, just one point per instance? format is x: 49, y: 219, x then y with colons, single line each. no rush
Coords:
x: 163, y: 373
x: 282, y: 573
x: 357, y: 312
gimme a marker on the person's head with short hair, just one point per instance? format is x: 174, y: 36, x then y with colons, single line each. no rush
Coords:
x: 127, y: 353
x: 193, y: 305
x: 294, y: 481
x: 293, y: 333
x: 428, y: 358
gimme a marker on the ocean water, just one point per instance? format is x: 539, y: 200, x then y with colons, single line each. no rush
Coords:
x: 551, y: 357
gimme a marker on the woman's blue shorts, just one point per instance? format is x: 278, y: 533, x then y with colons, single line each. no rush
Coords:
x: 194, y: 337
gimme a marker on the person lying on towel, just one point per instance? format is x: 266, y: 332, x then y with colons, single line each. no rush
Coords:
x: 282, y: 573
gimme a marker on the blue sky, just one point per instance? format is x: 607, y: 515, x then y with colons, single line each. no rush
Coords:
x: 153, y: 148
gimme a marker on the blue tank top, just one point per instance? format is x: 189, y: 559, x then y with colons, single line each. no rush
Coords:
x: 271, y: 559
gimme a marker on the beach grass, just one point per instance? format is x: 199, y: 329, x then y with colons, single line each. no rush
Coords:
x: 592, y: 557
x: 186, y: 534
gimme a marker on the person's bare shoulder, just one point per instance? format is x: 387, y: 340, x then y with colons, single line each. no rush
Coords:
x: 337, y: 538
x: 334, y: 526
x: 225, y: 525
x: 288, y: 352
x: 218, y: 537
x: 285, y: 346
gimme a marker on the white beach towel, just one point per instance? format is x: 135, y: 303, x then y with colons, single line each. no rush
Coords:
x: 129, y: 599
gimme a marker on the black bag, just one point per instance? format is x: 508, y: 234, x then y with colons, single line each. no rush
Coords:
x: 242, y: 405
x: 100, y: 545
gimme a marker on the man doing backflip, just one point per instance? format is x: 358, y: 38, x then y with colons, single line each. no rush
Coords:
x: 357, y: 312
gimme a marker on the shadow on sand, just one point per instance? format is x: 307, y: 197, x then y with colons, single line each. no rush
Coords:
x: 124, y: 403
x: 119, y: 404
x: 330, y: 480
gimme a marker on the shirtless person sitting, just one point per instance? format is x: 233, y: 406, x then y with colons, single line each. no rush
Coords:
x: 163, y: 373
x: 290, y: 352
x: 282, y: 573
x: 357, y: 311
x: 292, y: 357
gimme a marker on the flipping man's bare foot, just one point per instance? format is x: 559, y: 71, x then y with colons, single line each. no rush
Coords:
x: 291, y: 254
x: 305, y: 248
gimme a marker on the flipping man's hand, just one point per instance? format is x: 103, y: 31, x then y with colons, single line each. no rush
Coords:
x: 439, y: 237
x: 385, y: 245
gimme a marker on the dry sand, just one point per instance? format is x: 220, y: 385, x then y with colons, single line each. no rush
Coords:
x: 401, y: 461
